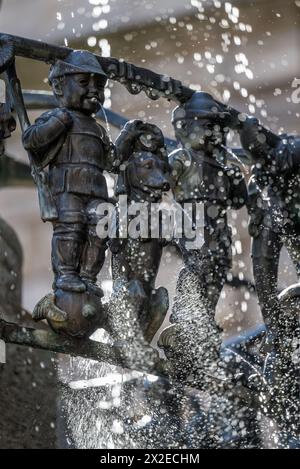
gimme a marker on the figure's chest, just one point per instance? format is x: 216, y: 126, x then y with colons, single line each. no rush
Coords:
x: 85, y: 141
x: 207, y: 181
x: 85, y: 145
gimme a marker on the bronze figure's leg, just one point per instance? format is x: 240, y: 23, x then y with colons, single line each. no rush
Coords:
x: 67, y: 245
x: 217, y: 261
x: 293, y: 248
x: 215, y: 281
x: 93, y: 255
x: 93, y: 258
x: 266, y: 249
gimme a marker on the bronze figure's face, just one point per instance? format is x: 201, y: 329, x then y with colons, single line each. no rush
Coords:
x: 81, y: 92
x: 199, y: 134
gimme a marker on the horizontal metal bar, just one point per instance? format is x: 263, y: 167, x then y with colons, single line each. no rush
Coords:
x: 116, y: 69
x: 118, y: 355
x: 142, y: 359
x: 37, y: 50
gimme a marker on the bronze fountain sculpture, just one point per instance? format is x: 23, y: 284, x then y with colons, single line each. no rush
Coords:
x: 77, y: 150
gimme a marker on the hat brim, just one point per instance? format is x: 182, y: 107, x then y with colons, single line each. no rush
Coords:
x: 64, y: 68
x: 93, y: 70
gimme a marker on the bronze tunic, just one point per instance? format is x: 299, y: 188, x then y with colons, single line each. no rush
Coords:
x: 78, y: 166
x: 201, y: 178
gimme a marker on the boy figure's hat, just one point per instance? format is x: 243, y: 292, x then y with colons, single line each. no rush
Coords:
x: 78, y: 61
x: 201, y: 105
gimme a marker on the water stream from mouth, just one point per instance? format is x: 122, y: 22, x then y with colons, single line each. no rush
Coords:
x: 106, y: 122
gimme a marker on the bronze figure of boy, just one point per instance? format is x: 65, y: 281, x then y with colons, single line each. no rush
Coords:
x: 201, y: 174
x: 77, y: 150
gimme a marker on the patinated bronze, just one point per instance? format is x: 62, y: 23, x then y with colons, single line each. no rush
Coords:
x: 69, y: 151
x: 77, y: 150
x: 201, y: 174
x: 7, y: 122
x: 12, y: 172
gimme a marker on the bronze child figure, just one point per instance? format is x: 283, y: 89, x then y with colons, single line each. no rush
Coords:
x: 77, y: 150
x: 203, y: 179
x: 201, y: 174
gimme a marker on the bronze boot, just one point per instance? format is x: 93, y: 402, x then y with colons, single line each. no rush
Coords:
x: 92, y: 261
x: 66, y: 252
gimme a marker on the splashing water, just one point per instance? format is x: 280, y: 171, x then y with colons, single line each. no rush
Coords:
x: 106, y: 122
x: 108, y: 407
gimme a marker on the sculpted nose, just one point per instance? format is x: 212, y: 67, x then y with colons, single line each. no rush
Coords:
x: 166, y: 186
x: 92, y: 87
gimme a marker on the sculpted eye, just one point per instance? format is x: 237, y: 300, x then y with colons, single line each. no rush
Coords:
x: 83, y: 82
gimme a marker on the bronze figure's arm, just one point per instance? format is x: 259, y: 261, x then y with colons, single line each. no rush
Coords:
x: 276, y: 153
x: 123, y: 146
x: 16, y: 101
x: 46, y: 130
x: 256, y: 140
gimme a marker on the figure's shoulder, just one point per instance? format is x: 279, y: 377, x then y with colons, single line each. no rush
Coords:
x: 46, y: 116
x: 180, y: 155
